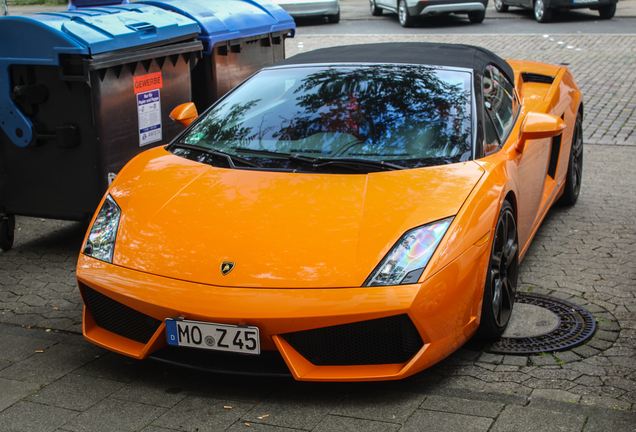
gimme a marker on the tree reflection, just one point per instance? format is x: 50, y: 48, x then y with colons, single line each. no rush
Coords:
x: 396, y: 112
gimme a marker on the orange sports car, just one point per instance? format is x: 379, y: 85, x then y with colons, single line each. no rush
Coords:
x: 351, y: 213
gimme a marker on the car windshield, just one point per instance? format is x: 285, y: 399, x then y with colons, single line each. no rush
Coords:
x: 324, y: 118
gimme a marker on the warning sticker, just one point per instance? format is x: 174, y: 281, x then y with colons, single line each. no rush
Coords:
x: 148, y: 82
x: 149, y: 113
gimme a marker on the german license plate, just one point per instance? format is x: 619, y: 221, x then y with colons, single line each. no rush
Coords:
x: 219, y: 337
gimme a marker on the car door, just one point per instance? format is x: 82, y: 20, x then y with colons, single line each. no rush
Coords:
x: 500, y: 110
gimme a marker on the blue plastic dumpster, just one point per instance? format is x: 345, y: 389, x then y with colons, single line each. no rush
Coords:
x: 81, y: 93
x: 239, y: 38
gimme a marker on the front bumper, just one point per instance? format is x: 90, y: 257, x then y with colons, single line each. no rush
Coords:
x: 444, y: 311
x: 309, y: 9
x: 435, y: 7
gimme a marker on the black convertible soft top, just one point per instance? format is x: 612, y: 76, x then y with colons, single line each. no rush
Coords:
x: 433, y: 54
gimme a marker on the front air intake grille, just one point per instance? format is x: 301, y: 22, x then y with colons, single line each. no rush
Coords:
x: 118, y: 318
x: 388, y: 340
x: 536, y: 78
x: 554, y: 155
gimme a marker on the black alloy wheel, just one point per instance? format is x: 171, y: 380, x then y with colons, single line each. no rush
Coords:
x: 334, y: 19
x: 607, y: 12
x: 375, y: 10
x: 500, y: 6
x: 406, y: 20
x: 541, y: 13
x: 477, y: 17
x: 575, y: 165
x: 7, y: 230
x: 501, y: 280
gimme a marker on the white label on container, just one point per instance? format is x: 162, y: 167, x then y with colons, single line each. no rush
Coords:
x: 149, y: 112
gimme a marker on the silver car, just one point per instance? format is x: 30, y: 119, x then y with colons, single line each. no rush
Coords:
x: 409, y: 10
x: 312, y: 8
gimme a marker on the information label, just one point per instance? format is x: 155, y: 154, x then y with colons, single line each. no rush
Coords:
x: 149, y: 113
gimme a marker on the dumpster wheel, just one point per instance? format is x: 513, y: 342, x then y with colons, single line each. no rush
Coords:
x: 7, y: 228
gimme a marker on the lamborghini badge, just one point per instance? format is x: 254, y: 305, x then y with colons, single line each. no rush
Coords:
x: 227, y: 267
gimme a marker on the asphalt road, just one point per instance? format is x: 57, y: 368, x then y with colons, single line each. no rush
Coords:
x: 357, y: 20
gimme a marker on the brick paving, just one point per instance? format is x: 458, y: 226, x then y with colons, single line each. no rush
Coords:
x: 585, y: 254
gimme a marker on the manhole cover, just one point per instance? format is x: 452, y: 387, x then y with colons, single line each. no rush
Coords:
x: 557, y: 325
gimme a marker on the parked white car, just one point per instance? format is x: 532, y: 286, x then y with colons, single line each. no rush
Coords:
x: 312, y: 8
x: 409, y: 10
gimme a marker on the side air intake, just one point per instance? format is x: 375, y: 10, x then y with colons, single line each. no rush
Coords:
x: 528, y: 77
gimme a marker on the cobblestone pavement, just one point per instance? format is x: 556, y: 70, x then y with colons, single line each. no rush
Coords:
x: 585, y: 254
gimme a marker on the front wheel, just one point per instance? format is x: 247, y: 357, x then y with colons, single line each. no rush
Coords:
x: 575, y: 165
x: 334, y: 19
x: 607, y: 12
x: 541, y: 13
x: 406, y: 20
x: 375, y: 10
x: 500, y: 6
x: 501, y: 280
x: 7, y: 230
x: 477, y: 17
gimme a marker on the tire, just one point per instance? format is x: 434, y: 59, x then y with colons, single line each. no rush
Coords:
x: 477, y: 17
x: 406, y: 20
x: 541, y: 13
x: 501, y: 280
x: 334, y: 19
x: 7, y: 229
x: 375, y: 10
x: 575, y: 166
x: 607, y: 12
x: 500, y: 6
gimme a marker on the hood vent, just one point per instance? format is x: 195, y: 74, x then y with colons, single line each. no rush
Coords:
x: 536, y: 78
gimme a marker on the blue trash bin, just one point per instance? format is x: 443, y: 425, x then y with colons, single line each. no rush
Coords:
x: 81, y: 93
x: 239, y: 38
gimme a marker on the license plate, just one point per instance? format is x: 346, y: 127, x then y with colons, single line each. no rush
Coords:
x: 219, y: 337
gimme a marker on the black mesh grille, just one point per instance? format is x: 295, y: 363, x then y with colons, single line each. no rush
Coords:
x: 118, y: 318
x: 554, y: 155
x: 380, y: 341
x: 537, y: 78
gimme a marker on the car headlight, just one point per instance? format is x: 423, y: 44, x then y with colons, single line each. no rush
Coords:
x: 101, y: 239
x: 406, y: 262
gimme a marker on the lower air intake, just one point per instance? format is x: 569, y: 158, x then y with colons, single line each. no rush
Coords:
x: 391, y: 340
x: 118, y: 318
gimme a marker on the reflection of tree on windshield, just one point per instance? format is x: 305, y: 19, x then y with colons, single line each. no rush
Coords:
x: 222, y: 125
x: 407, y: 113
x: 386, y: 107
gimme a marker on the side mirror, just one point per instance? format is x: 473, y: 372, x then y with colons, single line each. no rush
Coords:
x: 185, y: 113
x: 539, y: 126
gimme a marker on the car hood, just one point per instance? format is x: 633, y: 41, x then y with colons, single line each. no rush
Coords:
x: 182, y: 219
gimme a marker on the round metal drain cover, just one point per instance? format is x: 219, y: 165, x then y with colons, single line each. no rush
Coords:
x: 569, y: 325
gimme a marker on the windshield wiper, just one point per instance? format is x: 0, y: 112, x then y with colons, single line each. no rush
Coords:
x: 230, y: 157
x: 351, y: 163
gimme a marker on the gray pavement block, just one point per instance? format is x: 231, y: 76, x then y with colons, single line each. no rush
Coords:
x: 556, y: 394
x: 332, y: 423
x: 76, y: 392
x: 604, y: 425
x: 154, y: 389
x: 515, y: 360
x: 380, y: 405
x: 199, y: 414
x: 14, y: 391
x: 112, y: 415
x: 34, y: 417
x: 515, y: 418
x: 52, y: 364
x: 424, y: 420
x: 462, y: 406
x: 297, y: 407
x: 116, y: 367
